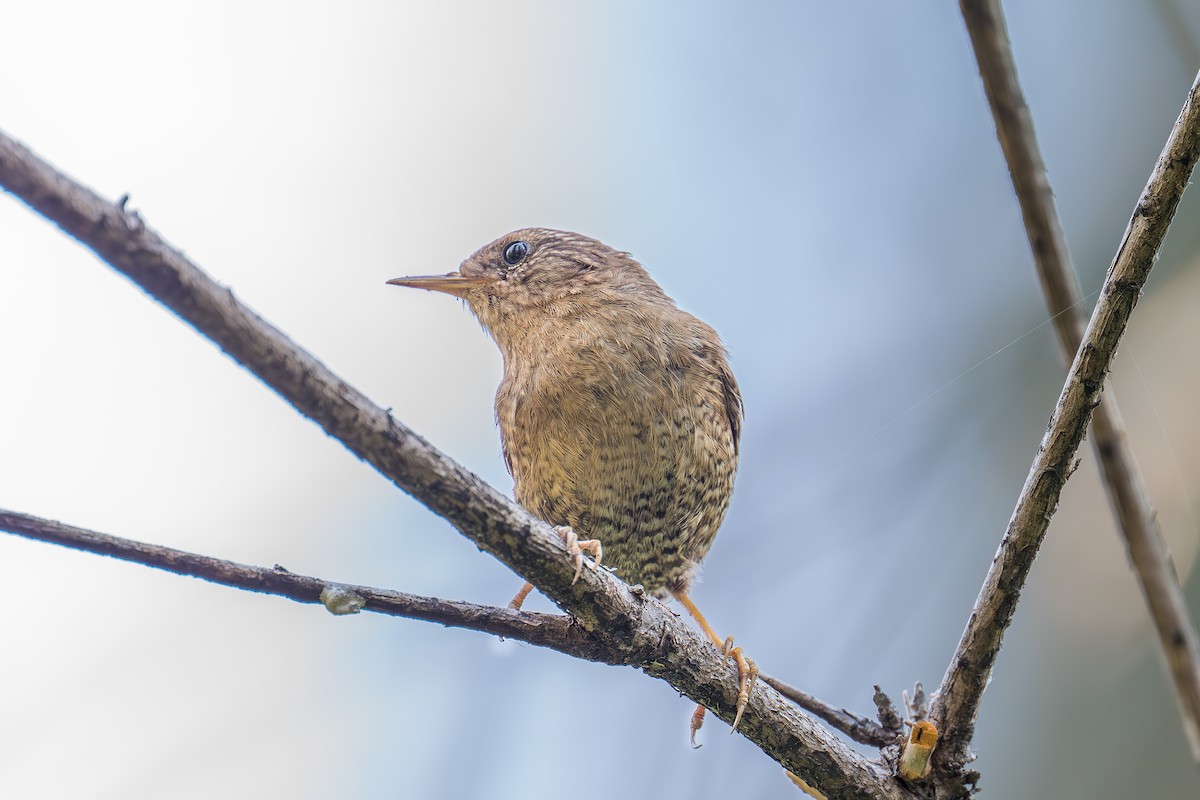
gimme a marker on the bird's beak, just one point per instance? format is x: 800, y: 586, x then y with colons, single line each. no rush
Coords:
x: 451, y: 283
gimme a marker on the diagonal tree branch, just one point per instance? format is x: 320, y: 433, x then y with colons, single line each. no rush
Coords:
x: 658, y: 642
x: 962, y: 687
x: 1123, y: 480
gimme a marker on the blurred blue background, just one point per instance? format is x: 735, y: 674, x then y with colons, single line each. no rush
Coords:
x: 821, y: 182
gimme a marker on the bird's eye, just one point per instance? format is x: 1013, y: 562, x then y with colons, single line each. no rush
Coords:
x: 515, y: 253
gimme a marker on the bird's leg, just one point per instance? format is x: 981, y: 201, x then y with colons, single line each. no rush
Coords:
x: 803, y: 786
x: 575, y: 548
x: 516, y: 602
x: 747, y: 669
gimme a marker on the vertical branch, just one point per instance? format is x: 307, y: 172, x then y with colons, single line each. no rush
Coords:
x: 1123, y: 481
x: 962, y: 687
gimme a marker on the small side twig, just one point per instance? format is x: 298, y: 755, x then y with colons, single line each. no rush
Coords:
x: 957, y: 702
x: 860, y: 729
x: 917, y: 706
x: 889, y: 718
x: 1123, y: 480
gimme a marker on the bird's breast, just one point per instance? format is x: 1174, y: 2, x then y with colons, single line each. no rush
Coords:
x: 625, y: 446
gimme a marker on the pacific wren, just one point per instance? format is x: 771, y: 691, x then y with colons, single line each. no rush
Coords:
x: 619, y: 415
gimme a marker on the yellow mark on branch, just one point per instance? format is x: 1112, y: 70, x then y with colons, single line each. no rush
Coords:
x: 914, y: 759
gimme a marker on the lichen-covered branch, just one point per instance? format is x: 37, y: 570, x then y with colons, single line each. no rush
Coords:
x: 962, y: 687
x: 1123, y: 480
x: 647, y: 634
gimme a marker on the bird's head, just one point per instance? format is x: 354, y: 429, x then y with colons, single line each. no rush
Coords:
x: 533, y: 275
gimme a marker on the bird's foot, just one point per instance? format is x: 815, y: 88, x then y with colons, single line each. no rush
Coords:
x: 747, y: 676
x: 577, y: 546
x: 747, y: 669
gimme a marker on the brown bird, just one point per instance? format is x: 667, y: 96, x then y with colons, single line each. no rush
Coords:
x: 619, y: 415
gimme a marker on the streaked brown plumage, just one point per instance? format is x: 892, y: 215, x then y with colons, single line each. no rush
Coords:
x: 619, y: 415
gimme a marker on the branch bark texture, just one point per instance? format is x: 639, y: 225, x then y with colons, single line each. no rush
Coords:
x: 646, y: 632
x: 958, y: 699
x: 1123, y: 480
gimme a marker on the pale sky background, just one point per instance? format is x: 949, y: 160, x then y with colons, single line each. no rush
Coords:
x: 820, y: 181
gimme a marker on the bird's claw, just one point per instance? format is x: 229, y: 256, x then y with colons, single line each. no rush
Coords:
x: 577, y: 546
x: 747, y: 677
x: 697, y: 722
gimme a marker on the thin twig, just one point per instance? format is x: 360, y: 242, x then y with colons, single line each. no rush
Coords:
x: 860, y: 729
x: 1123, y: 480
x: 553, y: 631
x: 652, y: 638
x: 962, y: 687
